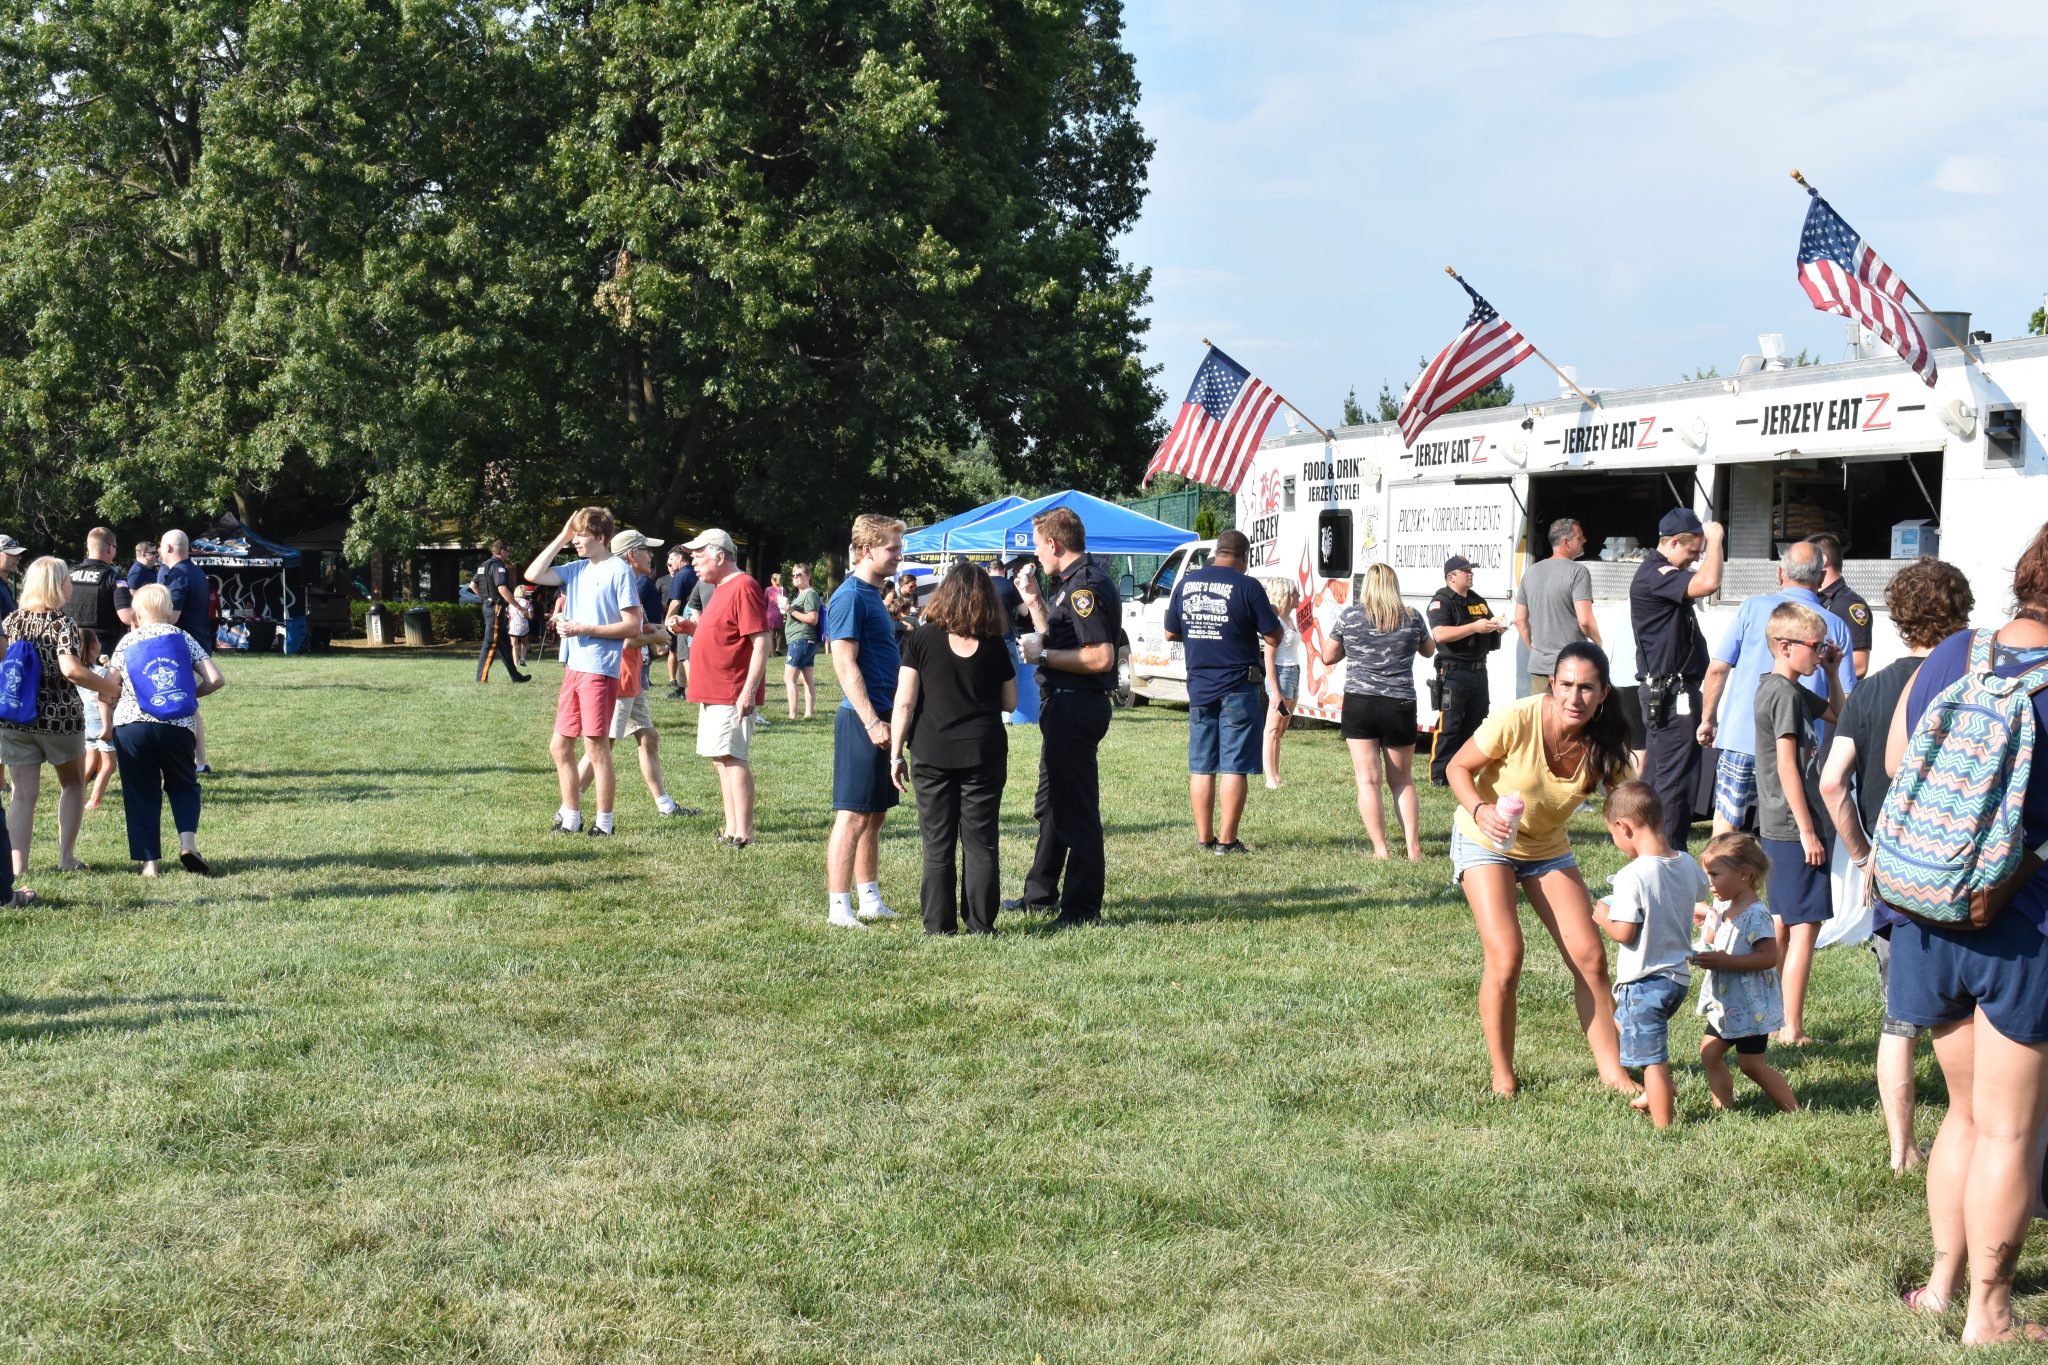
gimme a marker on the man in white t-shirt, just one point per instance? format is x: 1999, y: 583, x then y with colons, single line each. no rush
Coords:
x: 600, y: 612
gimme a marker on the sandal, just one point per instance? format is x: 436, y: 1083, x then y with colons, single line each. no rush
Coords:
x: 1917, y: 1301
x: 22, y: 899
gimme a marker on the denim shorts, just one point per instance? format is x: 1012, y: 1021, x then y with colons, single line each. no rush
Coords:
x: 1735, y: 788
x: 1225, y: 735
x: 1642, y: 1011
x: 1289, y: 678
x: 1467, y: 854
x: 1939, y: 976
x: 802, y: 654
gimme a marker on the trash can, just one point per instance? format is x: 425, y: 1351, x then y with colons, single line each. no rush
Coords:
x: 377, y: 625
x: 419, y: 626
x: 295, y: 632
x: 262, y: 636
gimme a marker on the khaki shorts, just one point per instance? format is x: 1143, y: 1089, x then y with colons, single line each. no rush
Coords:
x: 630, y: 716
x: 29, y: 749
x: 722, y: 732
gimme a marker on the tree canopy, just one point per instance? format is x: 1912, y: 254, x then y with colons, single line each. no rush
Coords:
x: 760, y: 261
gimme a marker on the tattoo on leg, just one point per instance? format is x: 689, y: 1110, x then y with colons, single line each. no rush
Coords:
x: 2005, y: 1260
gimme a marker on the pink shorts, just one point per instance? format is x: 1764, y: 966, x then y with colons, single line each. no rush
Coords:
x: 585, y: 706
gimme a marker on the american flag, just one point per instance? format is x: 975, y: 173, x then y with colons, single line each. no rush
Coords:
x: 1841, y: 274
x: 1220, y: 423
x: 1487, y: 349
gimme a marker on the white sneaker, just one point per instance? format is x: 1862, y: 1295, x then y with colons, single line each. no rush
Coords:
x: 843, y: 921
x: 876, y: 911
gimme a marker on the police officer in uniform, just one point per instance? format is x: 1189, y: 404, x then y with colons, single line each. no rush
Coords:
x: 1843, y: 602
x: 1672, y: 658
x: 93, y: 582
x: 1466, y: 631
x: 1076, y: 657
x: 494, y: 585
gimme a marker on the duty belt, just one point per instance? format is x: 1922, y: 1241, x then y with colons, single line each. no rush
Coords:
x: 1452, y: 665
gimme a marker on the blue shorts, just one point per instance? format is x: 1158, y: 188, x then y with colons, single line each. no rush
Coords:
x: 1798, y: 894
x: 1467, y: 854
x: 860, y: 768
x: 1289, y: 678
x: 1225, y: 735
x: 802, y: 654
x: 1642, y: 1011
x: 1735, y: 788
x: 1939, y: 976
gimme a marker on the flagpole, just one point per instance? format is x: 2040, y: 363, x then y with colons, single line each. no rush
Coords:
x: 1914, y: 295
x: 1591, y: 401
x: 1289, y: 406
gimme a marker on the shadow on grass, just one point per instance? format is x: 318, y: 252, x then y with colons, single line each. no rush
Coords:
x: 66, y: 1016
x: 1249, y: 907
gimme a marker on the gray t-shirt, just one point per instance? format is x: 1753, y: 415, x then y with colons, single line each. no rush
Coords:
x: 1379, y: 663
x: 1550, y: 590
x: 1783, y: 708
x: 1658, y: 894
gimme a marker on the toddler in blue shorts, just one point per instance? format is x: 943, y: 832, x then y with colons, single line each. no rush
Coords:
x: 1650, y: 915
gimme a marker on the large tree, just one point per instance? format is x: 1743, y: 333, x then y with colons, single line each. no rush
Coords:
x: 447, y: 258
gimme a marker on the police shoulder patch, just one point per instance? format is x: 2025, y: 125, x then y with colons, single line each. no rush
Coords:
x: 1083, y: 600
x: 1859, y: 613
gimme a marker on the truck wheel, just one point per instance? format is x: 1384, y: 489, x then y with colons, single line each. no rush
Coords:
x: 1123, y: 696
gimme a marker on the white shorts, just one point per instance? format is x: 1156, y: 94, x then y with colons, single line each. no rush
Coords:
x: 630, y: 716
x: 722, y: 732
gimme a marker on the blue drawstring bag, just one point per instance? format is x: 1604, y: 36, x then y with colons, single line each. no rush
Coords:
x: 21, y: 673
x: 160, y: 675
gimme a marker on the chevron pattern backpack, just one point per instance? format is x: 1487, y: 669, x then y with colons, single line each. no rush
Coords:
x: 1950, y: 847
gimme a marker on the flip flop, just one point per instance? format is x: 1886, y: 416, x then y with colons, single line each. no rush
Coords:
x: 1915, y: 1301
x: 192, y: 862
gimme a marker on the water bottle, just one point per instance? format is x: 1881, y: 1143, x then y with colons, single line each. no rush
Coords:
x: 1509, y: 807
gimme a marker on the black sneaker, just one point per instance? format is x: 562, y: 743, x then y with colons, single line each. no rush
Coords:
x: 1230, y: 849
x: 1020, y: 905
x: 1207, y: 845
x: 1063, y: 920
x: 598, y: 831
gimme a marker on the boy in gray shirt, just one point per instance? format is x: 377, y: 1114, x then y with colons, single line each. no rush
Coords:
x: 1650, y: 915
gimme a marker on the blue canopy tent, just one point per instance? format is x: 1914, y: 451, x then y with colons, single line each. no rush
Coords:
x: 929, y: 542
x: 1112, y: 530
x: 261, y: 583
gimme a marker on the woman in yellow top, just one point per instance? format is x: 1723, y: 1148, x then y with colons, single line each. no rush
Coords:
x: 1553, y: 750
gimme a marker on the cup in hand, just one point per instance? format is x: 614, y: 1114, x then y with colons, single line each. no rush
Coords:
x: 1031, y: 644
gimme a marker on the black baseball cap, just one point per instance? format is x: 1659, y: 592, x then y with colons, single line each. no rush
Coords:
x: 1455, y: 563
x: 1680, y: 521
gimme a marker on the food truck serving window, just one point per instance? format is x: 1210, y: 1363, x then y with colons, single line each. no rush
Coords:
x: 1333, y: 543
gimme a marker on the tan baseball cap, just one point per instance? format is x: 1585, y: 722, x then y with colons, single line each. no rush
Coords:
x: 711, y: 538
x: 632, y: 540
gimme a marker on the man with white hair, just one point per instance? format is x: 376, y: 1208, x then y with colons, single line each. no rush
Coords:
x: 191, y: 612
x: 1728, y: 697
x: 728, y: 674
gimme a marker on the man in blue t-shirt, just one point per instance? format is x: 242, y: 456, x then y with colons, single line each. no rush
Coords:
x: 864, y: 659
x: 1225, y: 623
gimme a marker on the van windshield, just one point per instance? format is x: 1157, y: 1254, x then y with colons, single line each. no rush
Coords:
x: 1169, y: 572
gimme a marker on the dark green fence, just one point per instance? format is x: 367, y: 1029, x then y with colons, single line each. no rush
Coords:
x: 1178, y: 509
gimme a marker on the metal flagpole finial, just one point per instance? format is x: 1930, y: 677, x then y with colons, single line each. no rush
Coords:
x: 1451, y: 271
x: 1802, y: 181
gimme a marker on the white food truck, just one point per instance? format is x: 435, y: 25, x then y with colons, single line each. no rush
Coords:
x: 1863, y: 449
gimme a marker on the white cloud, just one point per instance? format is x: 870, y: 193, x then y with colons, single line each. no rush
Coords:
x: 1970, y: 174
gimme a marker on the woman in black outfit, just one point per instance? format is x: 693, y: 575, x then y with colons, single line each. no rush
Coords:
x: 955, y: 684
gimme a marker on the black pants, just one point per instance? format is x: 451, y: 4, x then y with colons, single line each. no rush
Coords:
x: 1671, y: 760
x: 1069, y: 805
x: 960, y: 806
x: 1465, y: 705
x: 497, y: 646
x: 156, y: 760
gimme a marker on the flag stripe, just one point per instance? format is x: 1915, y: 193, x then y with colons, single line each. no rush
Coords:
x: 1487, y: 348
x: 1221, y: 422
x: 1842, y: 274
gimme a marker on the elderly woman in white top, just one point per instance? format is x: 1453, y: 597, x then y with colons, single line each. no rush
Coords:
x: 155, y: 746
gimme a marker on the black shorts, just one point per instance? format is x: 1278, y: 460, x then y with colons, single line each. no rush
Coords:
x: 1749, y: 1045
x: 1384, y: 720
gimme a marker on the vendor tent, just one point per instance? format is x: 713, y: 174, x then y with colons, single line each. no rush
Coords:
x: 1112, y: 530
x: 257, y: 578
x: 929, y: 542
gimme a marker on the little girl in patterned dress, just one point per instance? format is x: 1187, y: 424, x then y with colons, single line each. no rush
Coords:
x: 1738, y: 948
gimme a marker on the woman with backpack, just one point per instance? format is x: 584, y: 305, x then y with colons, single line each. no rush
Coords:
x: 1983, y: 992
x: 160, y: 672
x: 42, y: 675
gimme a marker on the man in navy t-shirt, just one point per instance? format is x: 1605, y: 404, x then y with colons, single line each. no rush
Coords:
x: 191, y: 612
x: 1225, y: 623
x: 681, y: 582
x: 864, y: 660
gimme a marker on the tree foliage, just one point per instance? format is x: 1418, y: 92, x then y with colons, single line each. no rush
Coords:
x: 747, y: 259
x: 1354, y: 415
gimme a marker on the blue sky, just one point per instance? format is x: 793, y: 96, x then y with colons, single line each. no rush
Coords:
x: 1612, y: 177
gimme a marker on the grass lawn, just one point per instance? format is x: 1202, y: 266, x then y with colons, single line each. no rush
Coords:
x: 416, y: 1079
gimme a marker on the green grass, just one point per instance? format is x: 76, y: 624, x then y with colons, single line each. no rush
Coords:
x: 417, y: 1080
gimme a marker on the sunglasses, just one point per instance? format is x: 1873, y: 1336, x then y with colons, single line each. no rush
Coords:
x: 1810, y: 644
